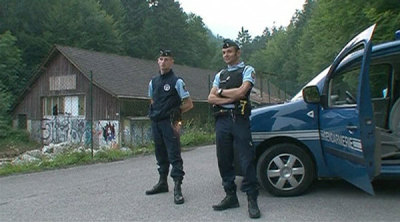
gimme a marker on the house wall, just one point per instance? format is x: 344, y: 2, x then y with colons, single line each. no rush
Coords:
x: 105, y: 105
x: 77, y: 130
x: 110, y: 114
x: 136, y: 131
x: 62, y: 127
x: 136, y: 126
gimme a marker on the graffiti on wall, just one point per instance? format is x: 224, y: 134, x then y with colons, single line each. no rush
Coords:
x: 106, y: 133
x: 137, y: 132
x: 140, y: 133
x: 58, y: 129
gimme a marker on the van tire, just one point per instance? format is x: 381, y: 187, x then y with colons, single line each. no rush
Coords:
x: 287, y: 179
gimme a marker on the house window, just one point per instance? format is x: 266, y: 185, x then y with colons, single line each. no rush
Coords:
x: 64, y: 105
x: 67, y: 82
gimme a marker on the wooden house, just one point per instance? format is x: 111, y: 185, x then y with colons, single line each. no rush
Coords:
x: 78, y: 91
x: 80, y: 94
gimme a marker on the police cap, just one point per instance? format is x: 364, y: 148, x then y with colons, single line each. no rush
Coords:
x: 165, y: 52
x: 229, y: 43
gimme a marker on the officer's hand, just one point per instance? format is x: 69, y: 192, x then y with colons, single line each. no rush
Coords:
x: 177, y: 125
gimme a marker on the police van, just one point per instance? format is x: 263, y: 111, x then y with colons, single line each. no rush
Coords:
x: 344, y: 123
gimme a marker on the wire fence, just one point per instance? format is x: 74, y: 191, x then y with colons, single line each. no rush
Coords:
x: 272, y: 89
x: 85, y: 117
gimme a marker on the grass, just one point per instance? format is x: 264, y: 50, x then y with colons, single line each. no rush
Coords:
x: 16, y: 142
x: 192, y: 136
x: 64, y: 160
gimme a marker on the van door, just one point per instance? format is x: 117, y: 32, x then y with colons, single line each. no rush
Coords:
x: 347, y: 127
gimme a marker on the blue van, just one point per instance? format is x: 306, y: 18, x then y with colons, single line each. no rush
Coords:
x: 344, y: 123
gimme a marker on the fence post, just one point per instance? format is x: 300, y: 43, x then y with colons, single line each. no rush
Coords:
x: 269, y: 91
x: 209, y: 106
x: 91, y: 112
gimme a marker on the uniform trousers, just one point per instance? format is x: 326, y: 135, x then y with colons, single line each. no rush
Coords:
x: 233, y: 134
x: 167, y: 148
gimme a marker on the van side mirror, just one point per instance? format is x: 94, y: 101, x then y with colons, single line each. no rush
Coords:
x: 311, y: 94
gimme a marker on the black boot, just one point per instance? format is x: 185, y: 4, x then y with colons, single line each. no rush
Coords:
x: 230, y: 201
x: 178, y: 198
x: 160, y: 187
x: 254, y: 211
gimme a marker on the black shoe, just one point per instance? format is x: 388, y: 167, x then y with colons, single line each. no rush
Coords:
x: 160, y: 187
x: 178, y: 197
x: 230, y: 201
x: 254, y: 211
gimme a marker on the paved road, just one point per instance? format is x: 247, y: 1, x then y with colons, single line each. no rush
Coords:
x: 115, y: 192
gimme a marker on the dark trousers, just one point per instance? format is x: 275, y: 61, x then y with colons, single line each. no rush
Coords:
x: 233, y: 133
x: 167, y: 148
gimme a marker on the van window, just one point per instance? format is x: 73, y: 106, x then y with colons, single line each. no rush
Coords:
x: 344, y: 85
x: 379, y: 78
x: 343, y: 88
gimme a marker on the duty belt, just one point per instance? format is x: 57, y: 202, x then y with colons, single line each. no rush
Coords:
x: 223, y: 111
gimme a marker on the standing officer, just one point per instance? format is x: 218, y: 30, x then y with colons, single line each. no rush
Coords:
x: 230, y: 97
x: 169, y: 99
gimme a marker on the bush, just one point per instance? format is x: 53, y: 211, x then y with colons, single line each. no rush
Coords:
x: 195, y: 134
x: 16, y: 142
x: 110, y: 155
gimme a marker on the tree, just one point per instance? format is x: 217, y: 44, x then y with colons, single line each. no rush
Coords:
x: 386, y: 13
x: 244, y: 39
x: 199, y: 46
x: 5, y: 102
x: 10, y: 70
x: 133, y: 22
x: 166, y: 28
x: 82, y: 24
x: 11, y: 65
x: 24, y: 20
x: 75, y: 23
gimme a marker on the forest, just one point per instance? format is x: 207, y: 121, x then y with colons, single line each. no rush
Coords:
x: 288, y: 56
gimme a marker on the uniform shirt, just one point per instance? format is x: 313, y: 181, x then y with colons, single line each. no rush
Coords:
x: 179, y: 86
x: 247, y: 76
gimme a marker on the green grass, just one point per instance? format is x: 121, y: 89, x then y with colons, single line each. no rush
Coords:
x: 66, y: 160
x: 192, y: 136
x: 16, y: 142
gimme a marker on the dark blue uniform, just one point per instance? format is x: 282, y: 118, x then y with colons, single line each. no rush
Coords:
x: 167, y: 92
x: 233, y: 134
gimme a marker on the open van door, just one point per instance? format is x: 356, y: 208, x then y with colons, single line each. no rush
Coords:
x: 347, y: 125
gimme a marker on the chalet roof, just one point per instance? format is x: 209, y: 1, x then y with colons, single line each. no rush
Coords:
x: 127, y: 77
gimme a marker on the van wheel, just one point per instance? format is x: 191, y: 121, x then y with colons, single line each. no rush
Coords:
x: 285, y: 170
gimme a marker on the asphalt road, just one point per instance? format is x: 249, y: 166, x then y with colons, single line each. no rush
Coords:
x: 115, y: 192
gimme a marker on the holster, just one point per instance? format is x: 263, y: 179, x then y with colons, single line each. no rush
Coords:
x: 175, y: 115
x: 242, y: 108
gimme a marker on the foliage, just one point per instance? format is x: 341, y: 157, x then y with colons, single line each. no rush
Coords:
x: 11, y: 63
x: 287, y: 56
x: 245, y: 41
x: 10, y: 76
x: 333, y: 23
x: 295, y: 54
x: 193, y: 135
x: 65, y: 160
x: 143, y: 149
x: 4, y: 117
x: 15, y: 141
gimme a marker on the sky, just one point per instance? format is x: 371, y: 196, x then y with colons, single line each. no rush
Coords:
x: 227, y: 17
